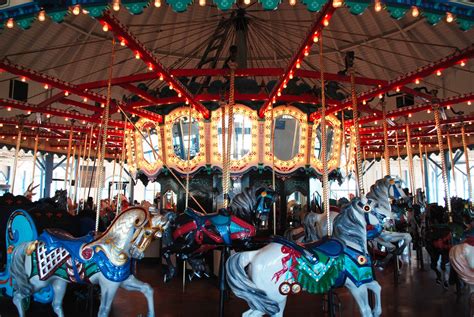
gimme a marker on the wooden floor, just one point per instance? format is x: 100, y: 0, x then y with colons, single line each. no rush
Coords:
x: 416, y: 295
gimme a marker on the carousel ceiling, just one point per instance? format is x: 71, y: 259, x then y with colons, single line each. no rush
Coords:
x: 411, y: 56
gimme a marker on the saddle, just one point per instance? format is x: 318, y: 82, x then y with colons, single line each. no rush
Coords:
x: 221, y: 220
x: 328, y: 247
x: 56, y: 238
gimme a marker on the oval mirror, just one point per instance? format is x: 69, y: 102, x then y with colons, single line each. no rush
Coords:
x: 286, y: 137
x: 241, y: 144
x: 185, y: 138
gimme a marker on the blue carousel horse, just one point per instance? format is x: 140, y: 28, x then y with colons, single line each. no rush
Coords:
x: 20, y: 228
x: 191, y: 233
x: 56, y: 259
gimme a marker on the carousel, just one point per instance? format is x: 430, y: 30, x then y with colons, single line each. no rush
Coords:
x: 227, y: 158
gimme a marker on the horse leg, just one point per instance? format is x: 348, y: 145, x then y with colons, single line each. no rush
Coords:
x: 375, y: 287
x: 17, y: 300
x: 133, y: 284
x: 107, y: 294
x: 59, y: 287
x: 252, y: 313
x: 444, y: 261
x: 361, y: 297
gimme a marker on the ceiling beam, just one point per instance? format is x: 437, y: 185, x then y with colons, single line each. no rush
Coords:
x: 295, y: 62
x: 123, y: 33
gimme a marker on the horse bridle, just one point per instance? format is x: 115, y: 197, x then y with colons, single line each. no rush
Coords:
x: 369, y: 210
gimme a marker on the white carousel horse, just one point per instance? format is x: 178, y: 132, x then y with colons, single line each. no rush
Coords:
x: 282, y: 267
x: 57, y: 259
x: 461, y: 257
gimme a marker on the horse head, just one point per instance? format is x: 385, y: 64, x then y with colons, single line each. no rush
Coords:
x: 265, y: 198
x: 115, y: 242
x: 153, y: 229
x: 385, y: 189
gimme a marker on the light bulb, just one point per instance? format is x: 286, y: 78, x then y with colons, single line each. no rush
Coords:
x: 246, y: 2
x: 326, y: 22
x: 449, y: 17
x: 415, y: 12
x: 157, y: 3
x: 116, y: 5
x: 463, y: 63
x: 469, y: 103
x: 202, y: 3
x: 417, y: 81
x: 10, y: 23
x: 23, y: 79
x: 137, y: 55
x: 76, y: 10
x: 315, y: 37
x: 105, y: 27
x: 292, y: 2
x: 337, y: 3
x: 122, y: 42
x: 41, y: 16
x: 397, y: 89
x: 438, y: 73
x: 378, y: 6
x: 66, y: 93
x: 46, y: 86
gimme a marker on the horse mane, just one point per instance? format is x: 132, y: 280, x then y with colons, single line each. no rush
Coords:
x: 347, y: 226
x: 379, y: 193
x: 243, y: 204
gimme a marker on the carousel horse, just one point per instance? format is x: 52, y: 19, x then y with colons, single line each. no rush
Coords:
x: 306, y: 232
x: 56, y: 259
x: 283, y: 267
x: 440, y: 234
x: 462, y: 260
x: 192, y: 233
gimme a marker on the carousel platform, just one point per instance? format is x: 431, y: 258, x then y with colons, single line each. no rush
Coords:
x: 416, y: 295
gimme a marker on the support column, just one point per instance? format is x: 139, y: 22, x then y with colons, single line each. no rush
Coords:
x: 48, y: 173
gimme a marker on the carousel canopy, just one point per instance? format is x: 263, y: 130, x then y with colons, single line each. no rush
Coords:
x: 408, y: 56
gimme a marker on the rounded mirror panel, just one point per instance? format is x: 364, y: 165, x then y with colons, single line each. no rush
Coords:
x: 287, y: 137
x: 150, y: 142
x: 329, y: 141
x: 241, y: 144
x: 185, y: 138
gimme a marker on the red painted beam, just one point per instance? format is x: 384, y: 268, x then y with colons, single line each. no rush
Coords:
x: 415, y: 135
x: 419, y: 124
x: 405, y: 111
x: 410, y: 77
x: 122, y: 32
x: 19, y: 70
x: 314, y: 31
x: 55, y: 112
x: 251, y: 72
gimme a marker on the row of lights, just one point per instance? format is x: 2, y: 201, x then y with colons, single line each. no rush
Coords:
x: 415, y: 12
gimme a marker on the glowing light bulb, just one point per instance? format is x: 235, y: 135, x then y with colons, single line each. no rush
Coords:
x: 409, y: 115
x: 415, y: 12
x: 438, y: 73
x: 48, y: 116
x: 417, y: 81
x: 83, y: 122
x: 337, y: 3
x: 246, y: 2
x: 116, y: 5
x: 298, y: 64
x: 105, y: 27
x: 137, y: 55
x: 316, y: 37
x: 157, y: 3
x: 66, y: 93
x: 41, y: 16
x: 46, y: 86
x: 292, y: 2
x: 469, y: 103
x: 326, y: 22
x: 463, y: 63
x: 122, y: 42
x: 102, y: 105
x: 290, y: 76
x: 23, y: 79
x: 161, y: 77
x: 364, y: 102
x: 428, y: 111
x: 202, y: 3
x: 85, y: 99
x: 449, y: 17
x: 76, y: 10
x: 150, y: 67
x: 10, y: 23
x: 378, y: 6
x: 397, y: 89
x: 448, y: 107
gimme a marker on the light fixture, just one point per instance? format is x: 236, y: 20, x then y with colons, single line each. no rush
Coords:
x: 449, y: 17
x: 337, y: 3
x: 66, y: 93
x: 157, y: 3
x: 417, y: 81
x: 137, y: 55
x: 316, y: 37
x: 438, y: 72
x: 202, y: 3
x: 377, y: 6
x: 46, y: 86
x: 415, y: 12
x: 292, y: 2
x: 463, y: 63
x: 105, y: 27
x: 116, y: 5
x: 122, y: 42
x: 76, y: 10
x: 41, y: 16
x: 23, y: 79
x: 10, y: 23
x: 469, y: 103
x: 246, y: 2
x: 397, y: 89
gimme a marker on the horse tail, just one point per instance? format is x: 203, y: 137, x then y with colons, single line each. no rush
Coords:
x: 243, y: 287
x: 17, y: 270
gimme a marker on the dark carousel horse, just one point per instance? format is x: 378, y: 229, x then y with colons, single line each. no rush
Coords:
x: 440, y: 234
x: 191, y: 233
